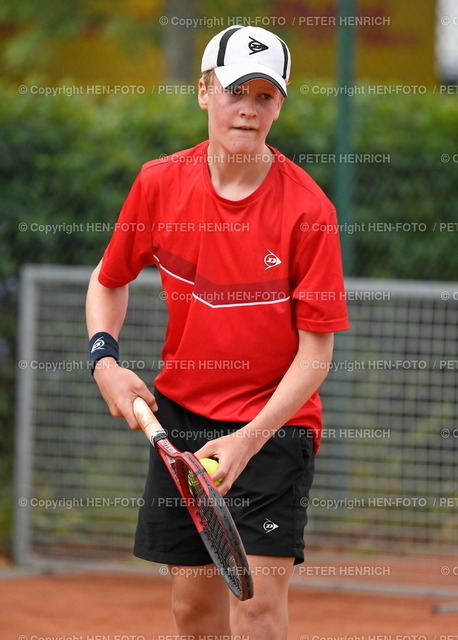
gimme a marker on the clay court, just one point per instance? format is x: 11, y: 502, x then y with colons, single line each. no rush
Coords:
x: 66, y: 604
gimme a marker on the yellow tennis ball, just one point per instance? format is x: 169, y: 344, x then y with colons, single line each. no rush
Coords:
x: 210, y: 465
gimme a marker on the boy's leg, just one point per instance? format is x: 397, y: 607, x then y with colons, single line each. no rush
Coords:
x: 200, y: 601
x: 265, y: 616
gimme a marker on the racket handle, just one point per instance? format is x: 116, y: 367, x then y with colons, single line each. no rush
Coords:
x: 148, y: 421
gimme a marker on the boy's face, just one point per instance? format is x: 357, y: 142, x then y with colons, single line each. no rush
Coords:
x: 239, y: 121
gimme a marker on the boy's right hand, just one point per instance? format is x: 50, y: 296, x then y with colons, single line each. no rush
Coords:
x: 119, y: 388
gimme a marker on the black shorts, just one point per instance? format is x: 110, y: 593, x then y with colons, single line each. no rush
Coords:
x: 267, y: 501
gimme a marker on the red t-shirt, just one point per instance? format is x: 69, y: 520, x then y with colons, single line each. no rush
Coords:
x: 240, y: 277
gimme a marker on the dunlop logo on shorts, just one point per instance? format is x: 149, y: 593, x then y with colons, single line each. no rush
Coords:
x: 269, y: 526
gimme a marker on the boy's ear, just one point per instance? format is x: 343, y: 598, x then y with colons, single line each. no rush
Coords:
x: 281, y: 100
x: 202, y: 95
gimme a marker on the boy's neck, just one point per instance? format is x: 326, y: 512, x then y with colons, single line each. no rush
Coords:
x: 237, y: 175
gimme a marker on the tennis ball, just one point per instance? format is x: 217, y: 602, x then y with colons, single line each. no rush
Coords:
x: 210, y: 465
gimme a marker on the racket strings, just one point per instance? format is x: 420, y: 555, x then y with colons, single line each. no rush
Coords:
x: 214, y: 533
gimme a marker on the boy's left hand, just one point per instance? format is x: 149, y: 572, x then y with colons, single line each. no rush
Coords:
x: 233, y: 453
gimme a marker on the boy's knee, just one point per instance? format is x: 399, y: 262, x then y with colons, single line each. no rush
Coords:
x: 193, y: 607
x: 183, y: 612
x: 257, y: 614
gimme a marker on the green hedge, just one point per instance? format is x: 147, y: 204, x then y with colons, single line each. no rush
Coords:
x: 71, y: 159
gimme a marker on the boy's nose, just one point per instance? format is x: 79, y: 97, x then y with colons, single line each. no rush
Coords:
x: 248, y: 108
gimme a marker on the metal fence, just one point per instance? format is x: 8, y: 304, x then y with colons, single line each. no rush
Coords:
x: 385, y: 478
x: 446, y: 40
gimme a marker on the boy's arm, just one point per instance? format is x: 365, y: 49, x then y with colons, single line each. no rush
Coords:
x: 304, y: 376
x: 105, y: 311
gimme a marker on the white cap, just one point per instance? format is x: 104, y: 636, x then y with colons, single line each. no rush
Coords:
x: 240, y: 54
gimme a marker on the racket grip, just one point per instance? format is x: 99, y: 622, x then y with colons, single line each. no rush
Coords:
x: 148, y: 422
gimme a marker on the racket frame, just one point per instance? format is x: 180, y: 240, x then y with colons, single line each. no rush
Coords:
x: 179, y: 463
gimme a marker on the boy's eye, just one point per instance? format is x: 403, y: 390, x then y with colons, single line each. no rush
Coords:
x: 266, y: 96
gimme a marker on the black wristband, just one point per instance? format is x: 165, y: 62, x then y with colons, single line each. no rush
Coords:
x: 102, y: 345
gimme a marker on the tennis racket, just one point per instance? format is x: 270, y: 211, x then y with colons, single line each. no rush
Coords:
x: 205, y: 504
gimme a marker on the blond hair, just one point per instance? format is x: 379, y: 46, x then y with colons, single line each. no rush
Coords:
x: 208, y: 77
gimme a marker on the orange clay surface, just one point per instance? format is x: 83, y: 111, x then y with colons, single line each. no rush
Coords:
x: 328, y: 601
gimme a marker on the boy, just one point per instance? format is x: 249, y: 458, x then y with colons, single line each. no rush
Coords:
x: 254, y: 291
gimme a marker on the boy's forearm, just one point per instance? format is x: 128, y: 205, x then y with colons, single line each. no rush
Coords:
x: 105, y: 308
x: 304, y: 376
x: 105, y: 311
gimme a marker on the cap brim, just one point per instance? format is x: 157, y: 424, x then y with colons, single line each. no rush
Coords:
x: 232, y: 76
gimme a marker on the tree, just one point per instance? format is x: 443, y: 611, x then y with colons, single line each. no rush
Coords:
x: 35, y: 29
